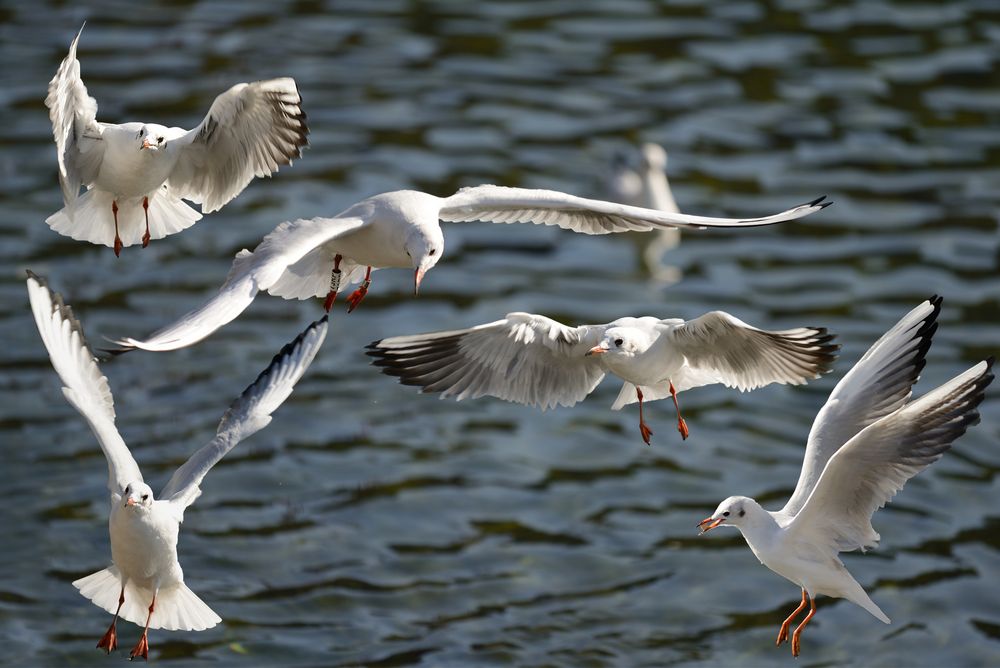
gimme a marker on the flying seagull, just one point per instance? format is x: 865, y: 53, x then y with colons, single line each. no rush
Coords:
x: 315, y: 257
x: 865, y: 443
x: 145, y: 583
x: 533, y: 360
x: 138, y: 172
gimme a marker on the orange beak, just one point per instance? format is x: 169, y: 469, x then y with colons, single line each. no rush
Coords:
x: 708, y: 523
x: 596, y: 350
x: 130, y: 501
x: 145, y: 143
x: 418, y: 276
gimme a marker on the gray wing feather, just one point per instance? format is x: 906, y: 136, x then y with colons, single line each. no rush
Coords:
x: 250, y: 413
x: 524, y: 358
x: 879, y: 384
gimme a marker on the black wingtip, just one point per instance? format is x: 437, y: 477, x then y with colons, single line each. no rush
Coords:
x: 35, y: 276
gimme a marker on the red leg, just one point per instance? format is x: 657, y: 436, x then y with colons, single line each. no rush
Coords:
x: 783, y: 633
x: 798, y: 631
x: 145, y: 210
x: 118, y: 239
x: 643, y: 427
x: 334, y: 284
x: 682, y: 426
x: 110, y: 640
x: 142, y: 647
x: 360, y: 293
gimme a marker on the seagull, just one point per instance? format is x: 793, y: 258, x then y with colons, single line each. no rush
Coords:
x: 865, y: 443
x: 648, y: 187
x: 145, y: 583
x: 315, y: 257
x: 533, y: 360
x: 137, y: 172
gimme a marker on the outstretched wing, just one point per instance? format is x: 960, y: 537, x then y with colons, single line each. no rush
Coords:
x: 84, y: 386
x: 866, y: 473
x: 727, y: 350
x: 250, y: 273
x: 498, y: 204
x: 879, y: 384
x: 79, y: 147
x: 250, y: 413
x: 524, y: 358
x: 251, y: 130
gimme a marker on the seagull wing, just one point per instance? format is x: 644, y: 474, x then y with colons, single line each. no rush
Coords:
x: 79, y: 147
x: 250, y: 273
x: 498, y: 204
x: 879, y: 384
x: 723, y: 349
x: 250, y: 413
x: 866, y: 473
x: 251, y: 130
x: 84, y: 386
x: 524, y: 358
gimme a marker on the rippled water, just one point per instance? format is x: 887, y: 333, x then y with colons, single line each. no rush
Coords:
x: 370, y: 525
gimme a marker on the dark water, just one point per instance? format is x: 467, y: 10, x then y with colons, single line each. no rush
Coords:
x: 372, y: 525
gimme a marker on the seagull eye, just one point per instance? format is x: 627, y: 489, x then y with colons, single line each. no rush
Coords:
x: 145, y: 497
x: 433, y: 250
x: 725, y: 514
x: 619, y: 342
x: 128, y: 489
x: 742, y: 513
x: 408, y: 254
x: 159, y: 140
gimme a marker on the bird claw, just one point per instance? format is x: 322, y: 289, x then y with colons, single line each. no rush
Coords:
x: 145, y: 239
x: 109, y: 642
x: 645, y: 431
x: 782, y: 636
x: 682, y: 427
x: 118, y: 246
x: 141, y: 649
x: 357, y: 296
x: 795, y: 645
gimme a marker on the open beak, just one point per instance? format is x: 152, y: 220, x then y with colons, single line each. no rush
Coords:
x: 418, y: 276
x: 596, y: 350
x: 710, y: 523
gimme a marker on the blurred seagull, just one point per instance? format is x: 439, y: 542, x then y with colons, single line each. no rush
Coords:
x: 145, y: 583
x: 866, y: 442
x: 533, y: 360
x: 139, y: 172
x: 647, y: 186
x: 312, y: 257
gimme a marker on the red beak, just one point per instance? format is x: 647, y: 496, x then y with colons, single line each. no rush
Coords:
x: 596, y: 350
x: 145, y: 143
x: 130, y: 501
x: 418, y: 276
x: 708, y: 523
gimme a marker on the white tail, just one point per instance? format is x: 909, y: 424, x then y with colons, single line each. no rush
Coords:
x: 92, y: 220
x: 177, y: 608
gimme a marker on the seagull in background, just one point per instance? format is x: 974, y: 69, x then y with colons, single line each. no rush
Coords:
x: 137, y: 172
x: 145, y: 583
x: 865, y: 443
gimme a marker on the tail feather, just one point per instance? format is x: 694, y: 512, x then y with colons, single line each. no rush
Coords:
x: 91, y: 218
x: 177, y: 608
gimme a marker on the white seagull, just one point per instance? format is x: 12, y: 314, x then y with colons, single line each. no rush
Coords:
x: 145, y: 583
x: 139, y: 172
x: 533, y: 360
x: 314, y: 257
x: 866, y: 442
x: 647, y: 186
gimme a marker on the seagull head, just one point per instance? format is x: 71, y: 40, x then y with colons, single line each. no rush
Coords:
x: 424, y: 246
x: 152, y: 137
x: 734, y: 511
x: 654, y: 158
x: 618, y: 341
x: 137, y: 495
